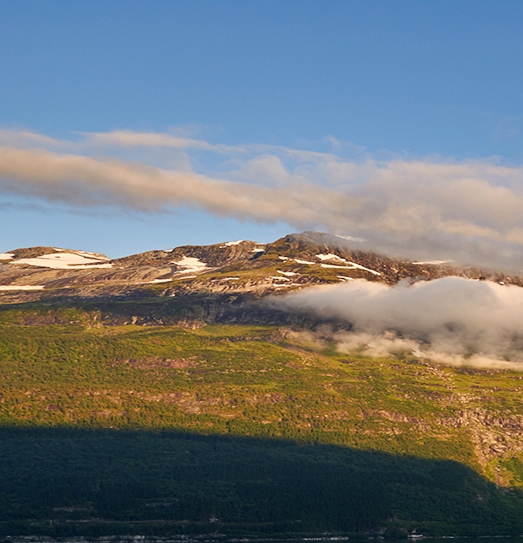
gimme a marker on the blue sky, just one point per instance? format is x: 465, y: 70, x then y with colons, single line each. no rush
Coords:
x: 409, y: 111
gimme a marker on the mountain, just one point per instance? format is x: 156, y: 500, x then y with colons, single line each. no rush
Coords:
x: 162, y: 394
x: 292, y: 262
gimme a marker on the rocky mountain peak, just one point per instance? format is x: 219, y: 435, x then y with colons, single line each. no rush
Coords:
x: 292, y: 262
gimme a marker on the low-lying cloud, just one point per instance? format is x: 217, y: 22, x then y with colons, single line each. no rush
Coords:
x: 468, y: 211
x: 451, y: 320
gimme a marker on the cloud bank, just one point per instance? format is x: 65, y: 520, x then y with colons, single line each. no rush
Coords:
x: 467, y: 211
x: 452, y: 320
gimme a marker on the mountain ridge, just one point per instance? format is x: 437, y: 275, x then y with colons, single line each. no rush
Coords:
x: 147, y: 357
x: 292, y: 262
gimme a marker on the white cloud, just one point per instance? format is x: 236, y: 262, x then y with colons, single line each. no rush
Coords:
x: 26, y: 138
x: 128, y: 138
x: 467, y: 211
x: 453, y: 320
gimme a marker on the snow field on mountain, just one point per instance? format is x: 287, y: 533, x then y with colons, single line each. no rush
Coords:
x: 191, y: 264
x: 332, y: 257
x: 66, y: 260
x: 351, y: 265
x: 232, y: 243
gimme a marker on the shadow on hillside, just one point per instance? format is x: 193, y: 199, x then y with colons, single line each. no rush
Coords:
x: 186, y: 307
x: 64, y: 482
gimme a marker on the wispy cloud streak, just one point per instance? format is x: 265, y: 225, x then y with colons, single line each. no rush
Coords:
x: 468, y: 211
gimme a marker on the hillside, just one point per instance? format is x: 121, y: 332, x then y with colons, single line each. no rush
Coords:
x: 181, y: 405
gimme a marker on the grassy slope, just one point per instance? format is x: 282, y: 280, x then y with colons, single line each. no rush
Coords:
x: 385, y: 438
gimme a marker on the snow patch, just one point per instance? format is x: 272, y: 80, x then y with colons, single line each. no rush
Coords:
x: 350, y: 265
x: 160, y: 281
x: 285, y: 258
x: 288, y: 274
x: 231, y: 243
x: 331, y: 256
x: 345, y: 278
x: 364, y: 268
x: 6, y: 256
x: 20, y: 287
x: 190, y: 264
x: 78, y: 260
x: 336, y: 266
x: 433, y: 262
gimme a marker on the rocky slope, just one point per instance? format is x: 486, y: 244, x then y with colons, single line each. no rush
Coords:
x: 292, y: 262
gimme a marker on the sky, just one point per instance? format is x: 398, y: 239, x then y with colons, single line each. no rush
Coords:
x: 127, y: 126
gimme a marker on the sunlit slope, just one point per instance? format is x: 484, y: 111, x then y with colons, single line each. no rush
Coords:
x: 412, y: 443
x: 288, y: 264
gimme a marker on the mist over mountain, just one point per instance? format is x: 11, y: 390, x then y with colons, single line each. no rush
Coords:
x: 367, y: 380
x: 451, y: 319
x: 433, y: 309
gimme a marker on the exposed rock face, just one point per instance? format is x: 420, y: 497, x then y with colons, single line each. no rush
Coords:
x: 292, y: 262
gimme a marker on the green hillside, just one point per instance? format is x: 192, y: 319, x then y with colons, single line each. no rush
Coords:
x: 243, y: 430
